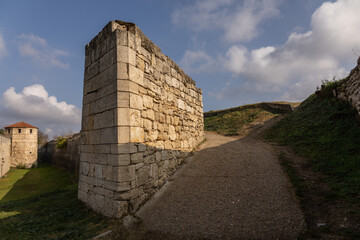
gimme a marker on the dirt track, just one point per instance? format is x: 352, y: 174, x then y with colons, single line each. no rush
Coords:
x: 230, y: 189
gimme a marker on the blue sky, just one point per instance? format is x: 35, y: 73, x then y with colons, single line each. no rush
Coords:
x: 237, y: 51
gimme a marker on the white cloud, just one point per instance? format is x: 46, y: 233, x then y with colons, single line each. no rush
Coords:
x: 239, y: 20
x: 3, y: 50
x: 305, y: 58
x: 197, y: 61
x: 33, y: 46
x: 35, y: 105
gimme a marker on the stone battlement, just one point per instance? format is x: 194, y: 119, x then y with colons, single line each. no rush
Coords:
x: 142, y: 116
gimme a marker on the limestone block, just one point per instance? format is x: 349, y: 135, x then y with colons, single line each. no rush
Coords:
x: 104, y: 192
x: 136, y: 134
x: 126, y: 55
x: 117, y: 186
x: 121, y: 208
x: 150, y: 114
x: 148, y: 101
x: 127, y: 86
x: 104, y: 119
x: 136, y: 75
x: 136, y: 101
x: 122, y: 70
x: 158, y: 156
x: 153, y: 172
x: 84, y: 168
x: 140, y: 64
x: 92, y: 70
x: 147, y: 124
x: 137, y: 158
x: 106, y: 103
x: 139, y: 165
x: 181, y: 104
x: 135, y: 118
x: 109, y: 135
x: 152, y: 135
x: 141, y: 147
x: 124, y: 174
x: 142, y: 176
x: 129, y: 194
x: 168, y: 144
x: 123, y: 148
x: 175, y: 83
x: 104, y: 148
x: 107, y: 60
x: 93, y: 137
x: 100, y: 202
x: 82, y: 195
x: 87, y: 123
x: 118, y: 159
x: 123, y: 99
x: 108, y: 173
x: 123, y: 117
x: 121, y: 37
x: 98, y: 171
x: 123, y: 134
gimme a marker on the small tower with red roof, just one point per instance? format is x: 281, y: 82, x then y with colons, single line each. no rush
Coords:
x: 24, y: 144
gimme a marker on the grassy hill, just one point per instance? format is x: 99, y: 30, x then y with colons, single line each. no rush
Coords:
x: 326, y: 132
x: 238, y: 120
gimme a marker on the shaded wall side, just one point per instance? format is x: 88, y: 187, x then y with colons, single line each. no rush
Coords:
x: 5, y: 157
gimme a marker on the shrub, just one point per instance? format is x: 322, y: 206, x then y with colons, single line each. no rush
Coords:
x: 61, y: 143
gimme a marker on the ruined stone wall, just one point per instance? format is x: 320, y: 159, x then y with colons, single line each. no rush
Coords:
x: 142, y: 116
x: 24, y: 146
x: 4, y: 155
x: 349, y: 89
x: 68, y: 157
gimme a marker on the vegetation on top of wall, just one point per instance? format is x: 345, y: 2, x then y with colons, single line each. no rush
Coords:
x: 61, y: 142
x: 2, y: 131
x: 326, y: 131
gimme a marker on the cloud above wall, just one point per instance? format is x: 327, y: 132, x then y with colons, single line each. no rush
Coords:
x: 34, y: 104
x: 37, y: 48
x: 305, y: 58
x: 291, y: 70
x: 239, y: 20
x: 3, y: 50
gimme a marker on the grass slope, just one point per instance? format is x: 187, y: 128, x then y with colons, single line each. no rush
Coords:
x: 326, y: 131
x: 23, y: 183
x: 41, y: 203
x: 231, y: 123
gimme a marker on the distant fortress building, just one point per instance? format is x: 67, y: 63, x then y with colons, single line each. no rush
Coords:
x: 24, y: 144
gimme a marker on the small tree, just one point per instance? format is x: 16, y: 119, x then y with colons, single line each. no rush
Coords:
x: 2, y: 131
x: 42, y: 138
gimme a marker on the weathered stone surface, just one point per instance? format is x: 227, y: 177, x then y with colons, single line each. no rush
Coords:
x: 141, y: 116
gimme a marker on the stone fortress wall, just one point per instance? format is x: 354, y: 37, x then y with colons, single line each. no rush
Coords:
x: 142, y: 116
x: 5, y: 158
x: 349, y: 89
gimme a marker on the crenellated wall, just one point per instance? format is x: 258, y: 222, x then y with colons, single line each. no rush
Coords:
x: 349, y: 89
x: 142, y: 116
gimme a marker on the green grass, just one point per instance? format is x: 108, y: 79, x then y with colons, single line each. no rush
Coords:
x: 23, y: 183
x: 231, y: 123
x: 294, y: 177
x: 41, y: 203
x: 326, y: 131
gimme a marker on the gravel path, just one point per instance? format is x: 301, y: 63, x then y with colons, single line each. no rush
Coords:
x: 230, y: 189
